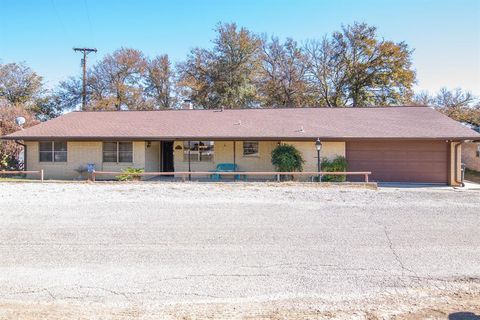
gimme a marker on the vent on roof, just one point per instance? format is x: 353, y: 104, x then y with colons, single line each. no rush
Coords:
x: 301, y: 130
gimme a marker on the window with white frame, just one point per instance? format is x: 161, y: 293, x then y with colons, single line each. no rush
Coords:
x: 250, y: 149
x: 118, y: 151
x: 53, y: 151
x: 198, y: 151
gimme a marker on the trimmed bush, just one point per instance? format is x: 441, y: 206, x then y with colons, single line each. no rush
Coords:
x: 286, y: 158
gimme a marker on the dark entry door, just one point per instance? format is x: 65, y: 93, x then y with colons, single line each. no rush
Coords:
x: 167, y: 156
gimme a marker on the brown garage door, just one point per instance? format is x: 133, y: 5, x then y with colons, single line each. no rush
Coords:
x: 399, y: 161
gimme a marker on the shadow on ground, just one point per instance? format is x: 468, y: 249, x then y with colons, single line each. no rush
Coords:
x: 463, y: 316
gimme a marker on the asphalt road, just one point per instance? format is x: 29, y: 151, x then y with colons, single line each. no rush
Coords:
x: 151, y: 245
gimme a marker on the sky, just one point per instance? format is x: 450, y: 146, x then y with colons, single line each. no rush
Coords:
x: 444, y: 34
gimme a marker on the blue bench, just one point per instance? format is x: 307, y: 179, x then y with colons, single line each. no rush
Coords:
x: 225, y: 167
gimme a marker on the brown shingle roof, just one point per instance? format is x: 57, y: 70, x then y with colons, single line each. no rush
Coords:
x: 259, y: 124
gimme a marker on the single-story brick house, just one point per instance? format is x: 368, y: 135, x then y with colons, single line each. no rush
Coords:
x: 398, y: 144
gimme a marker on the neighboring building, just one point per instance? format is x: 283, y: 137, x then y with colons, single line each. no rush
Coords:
x: 471, y: 155
x: 398, y: 144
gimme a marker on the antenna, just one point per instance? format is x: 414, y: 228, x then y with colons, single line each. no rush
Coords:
x: 300, y: 130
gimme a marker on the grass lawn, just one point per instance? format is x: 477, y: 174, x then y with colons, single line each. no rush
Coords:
x: 472, y: 175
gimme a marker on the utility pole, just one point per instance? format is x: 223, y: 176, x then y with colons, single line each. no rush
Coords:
x: 85, y: 51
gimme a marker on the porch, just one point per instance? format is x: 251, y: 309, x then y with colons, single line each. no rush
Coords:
x: 245, y: 155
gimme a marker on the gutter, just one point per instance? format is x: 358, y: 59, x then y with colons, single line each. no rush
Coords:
x: 230, y: 138
x: 24, y: 154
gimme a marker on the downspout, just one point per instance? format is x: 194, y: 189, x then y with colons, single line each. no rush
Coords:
x: 24, y: 154
x: 457, y: 146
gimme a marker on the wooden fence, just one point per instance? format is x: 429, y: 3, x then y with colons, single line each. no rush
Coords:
x: 185, y: 174
x: 39, y: 173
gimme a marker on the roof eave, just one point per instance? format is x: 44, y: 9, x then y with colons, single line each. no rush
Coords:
x: 219, y: 138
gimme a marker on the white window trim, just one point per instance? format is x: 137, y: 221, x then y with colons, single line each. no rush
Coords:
x: 52, y: 152
x: 118, y: 153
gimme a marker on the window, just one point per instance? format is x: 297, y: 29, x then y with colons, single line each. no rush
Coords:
x: 199, y: 151
x: 53, y: 151
x: 250, y: 149
x: 117, y: 152
x: 125, y: 152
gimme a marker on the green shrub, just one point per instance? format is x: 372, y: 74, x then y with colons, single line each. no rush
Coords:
x: 130, y: 174
x: 286, y: 158
x: 338, y: 164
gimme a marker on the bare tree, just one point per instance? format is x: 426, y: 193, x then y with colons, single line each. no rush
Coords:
x: 282, y: 77
x: 452, y: 99
x: 458, y: 104
x: 125, y: 79
x: 422, y: 98
x: 327, y: 74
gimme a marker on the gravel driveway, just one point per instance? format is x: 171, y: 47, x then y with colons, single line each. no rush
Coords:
x: 257, y: 250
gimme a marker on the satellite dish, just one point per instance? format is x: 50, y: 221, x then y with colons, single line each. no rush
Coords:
x: 20, y: 121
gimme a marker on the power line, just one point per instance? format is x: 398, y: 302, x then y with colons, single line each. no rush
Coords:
x: 85, y: 51
x: 85, y: 2
x: 60, y: 20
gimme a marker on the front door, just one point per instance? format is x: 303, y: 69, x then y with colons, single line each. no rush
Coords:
x: 167, y: 156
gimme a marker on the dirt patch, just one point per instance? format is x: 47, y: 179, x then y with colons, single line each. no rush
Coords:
x: 419, y: 305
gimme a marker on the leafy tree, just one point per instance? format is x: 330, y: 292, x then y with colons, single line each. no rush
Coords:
x: 48, y: 107
x: 19, y: 84
x: 22, y: 88
x: 223, y: 76
x: 9, y: 150
x: 69, y: 93
x: 282, y: 76
x: 116, y: 81
x: 356, y: 68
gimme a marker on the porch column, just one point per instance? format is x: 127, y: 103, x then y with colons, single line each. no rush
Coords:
x: 234, y: 159
x: 189, y: 165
